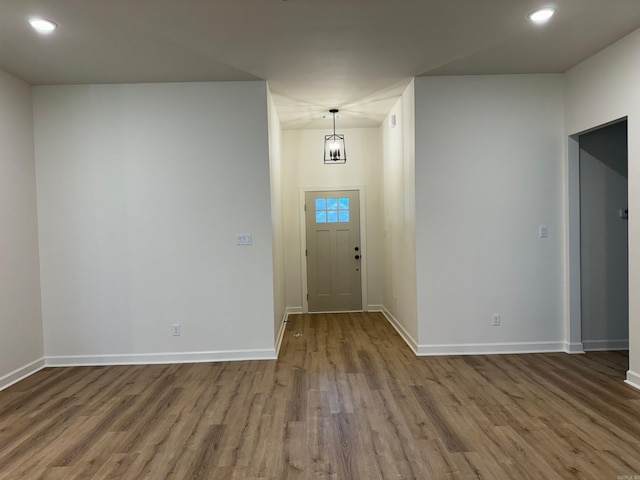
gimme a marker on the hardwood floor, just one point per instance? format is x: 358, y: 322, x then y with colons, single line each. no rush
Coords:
x: 346, y: 400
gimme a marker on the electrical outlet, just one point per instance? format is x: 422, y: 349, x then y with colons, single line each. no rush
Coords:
x: 176, y: 329
x: 495, y: 320
x: 244, y: 239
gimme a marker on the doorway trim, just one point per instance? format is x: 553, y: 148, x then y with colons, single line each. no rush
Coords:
x: 573, y: 288
x: 573, y: 334
x: 363, y: 240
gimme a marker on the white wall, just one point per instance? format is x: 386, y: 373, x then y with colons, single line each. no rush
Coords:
x: 277, y: 219
x: 604, y: 259
x: 489, y: 170
x: 21, y: 347
x: 303, y: 166
x: 141, y: 191
x: 399, y: 217
x: 601, y: 89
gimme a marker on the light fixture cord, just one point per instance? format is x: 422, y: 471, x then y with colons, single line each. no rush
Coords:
x: 334, y: 124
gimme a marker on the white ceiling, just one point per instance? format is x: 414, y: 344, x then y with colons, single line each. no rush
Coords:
x: 356, y: 55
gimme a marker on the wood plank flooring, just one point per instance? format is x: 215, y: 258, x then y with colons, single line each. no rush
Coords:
x: 346, y: 400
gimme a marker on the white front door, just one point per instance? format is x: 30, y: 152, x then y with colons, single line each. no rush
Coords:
x: 333, y: 251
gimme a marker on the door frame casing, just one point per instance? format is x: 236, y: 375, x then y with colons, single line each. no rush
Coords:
x: 363, y: 239
x: 573, y: 274
x: 573, y: 285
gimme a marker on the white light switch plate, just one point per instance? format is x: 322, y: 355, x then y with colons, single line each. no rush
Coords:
x: 544, y: 231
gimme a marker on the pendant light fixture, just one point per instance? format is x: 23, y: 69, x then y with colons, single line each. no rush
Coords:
x: 334, y: 151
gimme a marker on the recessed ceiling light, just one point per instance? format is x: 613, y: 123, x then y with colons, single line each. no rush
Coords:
x: 42, y: 25
x: 542, y: 15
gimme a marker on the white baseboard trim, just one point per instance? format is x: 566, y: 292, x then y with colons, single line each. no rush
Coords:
x: 294, y: 310
x: 475, y: 348
x: 160, y: 358
x: 375, y: 308
x: 406, y: 336
x: 573, y: 348
x: 283, y: 327
x: 21, y: 373
x: 633, y: 379
x: 490, y: 348
x: 603, y: 345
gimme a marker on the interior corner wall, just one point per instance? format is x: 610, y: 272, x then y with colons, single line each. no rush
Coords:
x: 599, y: 90
x: 275, y: 167
x: 489, y: 173
x: 141, y: 192
x: 21, y: 343
x: 398, y: 153
x: 302, y: 167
